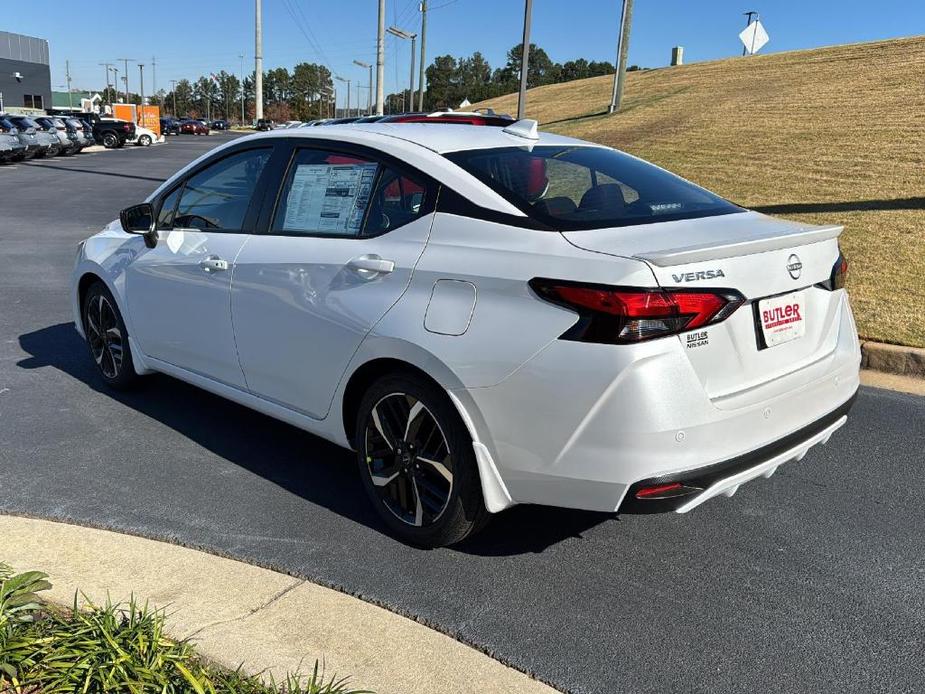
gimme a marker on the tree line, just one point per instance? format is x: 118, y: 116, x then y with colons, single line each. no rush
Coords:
x: 307, y: 91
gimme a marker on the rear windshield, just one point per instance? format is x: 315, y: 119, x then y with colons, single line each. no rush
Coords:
x: 588, y: 187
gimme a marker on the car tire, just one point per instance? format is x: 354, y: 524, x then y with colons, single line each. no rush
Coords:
x: 433, y: 494
x: 144, y: 140
x: 107, y: 338
x: 110, y: 140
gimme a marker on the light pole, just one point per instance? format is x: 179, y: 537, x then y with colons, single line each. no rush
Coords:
x: 173, y: 89
x: 258, y: 61
x: 524, y: 60
x: 108, y: 66
x: 242, y: 88
x: 141, y: 81
x: 380, y: 61
x: 370, y: 97
x: 395, y: 31
x: 619, y: 75
x: 125, y: 75
x: 341, y: 79
x: 423, y: 53
x: 115, y: 85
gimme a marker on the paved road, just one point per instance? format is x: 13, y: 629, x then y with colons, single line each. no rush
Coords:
x: 812, y: 581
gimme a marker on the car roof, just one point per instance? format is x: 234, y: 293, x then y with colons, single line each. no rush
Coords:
x: 438, y: 137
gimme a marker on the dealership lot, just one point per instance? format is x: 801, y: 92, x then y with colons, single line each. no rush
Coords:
x: 809, y: 581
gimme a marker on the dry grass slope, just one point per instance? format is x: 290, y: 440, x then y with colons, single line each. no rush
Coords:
x: 829, y: 135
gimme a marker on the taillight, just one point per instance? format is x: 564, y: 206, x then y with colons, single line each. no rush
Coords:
x: 838, y: 276
x: 840, y: 272
x: 627, y: 315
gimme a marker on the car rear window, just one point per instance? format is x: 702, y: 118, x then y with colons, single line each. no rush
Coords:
x: 571, y: 188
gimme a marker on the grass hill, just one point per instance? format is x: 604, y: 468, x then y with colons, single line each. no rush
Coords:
x: 829, y: 135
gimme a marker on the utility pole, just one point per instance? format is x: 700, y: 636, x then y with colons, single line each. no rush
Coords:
x: 67, y: 72
x: 125, y: 75
x: 173, y: 89
x: 423, y: 55
x: 748, y: 21
x: 115, y: 85
x: 380, y: 61
x: 623, y: 48
x: 141, y: 80
x: 242, y: 88
x: 154, y: 79
x: 258, y: 61
x: 524, y: 61
x: 358, y: 97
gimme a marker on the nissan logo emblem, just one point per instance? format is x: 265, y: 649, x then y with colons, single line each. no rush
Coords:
x: 794, y: 266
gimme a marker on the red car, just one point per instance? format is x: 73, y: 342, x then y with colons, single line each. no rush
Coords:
x: 458, y: 117
x: 193, y: 127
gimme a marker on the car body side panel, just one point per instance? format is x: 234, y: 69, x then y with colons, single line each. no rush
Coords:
x: 508, y: 324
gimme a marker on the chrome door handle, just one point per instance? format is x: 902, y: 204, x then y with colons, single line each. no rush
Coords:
x: 370, y: 265
x: 213, y: 264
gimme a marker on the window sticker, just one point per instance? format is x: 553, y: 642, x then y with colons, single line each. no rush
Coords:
x: 329, y: 198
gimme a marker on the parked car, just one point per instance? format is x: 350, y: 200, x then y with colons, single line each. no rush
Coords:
x: 27, y: 137
x: 109, y: 132
x: 340, y: 121
x: 11, y: 149
x: 170, y: 126
x: 314, y: 123
x: 220, y: 124
x: 369, y: 119
x: 193, y: 127
x: 457, y: 117
x: 82, y: 132
x: 48, y: 143
x: 67, y: 142
x: 264, y: 124
x: 495, y: 316
x: 143, y: 136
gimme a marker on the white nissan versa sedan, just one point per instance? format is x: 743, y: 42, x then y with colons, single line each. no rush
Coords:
x: 487, y: 315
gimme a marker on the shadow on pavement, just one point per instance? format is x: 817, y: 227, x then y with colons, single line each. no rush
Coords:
x: 260, y: 444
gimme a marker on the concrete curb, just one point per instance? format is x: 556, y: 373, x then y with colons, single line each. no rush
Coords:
x: 894, y: 359
x: 238, y: 614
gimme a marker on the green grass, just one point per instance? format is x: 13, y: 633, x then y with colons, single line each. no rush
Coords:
x: 827, y: 136
x: 119, y: 648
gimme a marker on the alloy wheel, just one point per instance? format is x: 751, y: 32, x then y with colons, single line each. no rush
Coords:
x: 104, y: 336
x: 408, y: 459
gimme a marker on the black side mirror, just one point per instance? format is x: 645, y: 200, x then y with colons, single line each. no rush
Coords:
x: 139, y: 219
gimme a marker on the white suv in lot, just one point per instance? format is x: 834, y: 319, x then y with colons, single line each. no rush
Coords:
x: 487, y: 315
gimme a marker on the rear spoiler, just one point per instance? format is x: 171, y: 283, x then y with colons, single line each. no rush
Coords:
x: 775, y: 240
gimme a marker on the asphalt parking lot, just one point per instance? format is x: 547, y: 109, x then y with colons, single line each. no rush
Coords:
x: 812, y: 581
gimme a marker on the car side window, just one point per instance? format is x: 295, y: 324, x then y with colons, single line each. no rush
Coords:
x: 168, y: 208
x: 325, y: 194
x: 218, y: 196
x: 396, y: 200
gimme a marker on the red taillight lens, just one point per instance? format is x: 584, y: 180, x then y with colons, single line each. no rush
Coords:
x: 840, y: 272
x: 614, y: 315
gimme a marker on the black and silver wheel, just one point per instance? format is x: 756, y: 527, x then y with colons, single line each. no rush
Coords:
x: 144, y: 140
x: 110, y: 140
x: 107, y: 337
x: 417, y: 464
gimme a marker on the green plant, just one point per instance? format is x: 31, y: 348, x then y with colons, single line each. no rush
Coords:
x: 19, y: 604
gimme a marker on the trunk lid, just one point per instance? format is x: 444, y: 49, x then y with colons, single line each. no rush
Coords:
x: 773, y: 263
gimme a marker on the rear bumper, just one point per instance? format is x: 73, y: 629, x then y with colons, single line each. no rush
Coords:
x: 724, y: 478
x: 580, y: 424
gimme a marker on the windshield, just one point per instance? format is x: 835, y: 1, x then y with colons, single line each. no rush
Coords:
x: 588, y: 187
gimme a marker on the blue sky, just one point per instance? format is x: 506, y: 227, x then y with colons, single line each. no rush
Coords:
x: 202, y: 37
